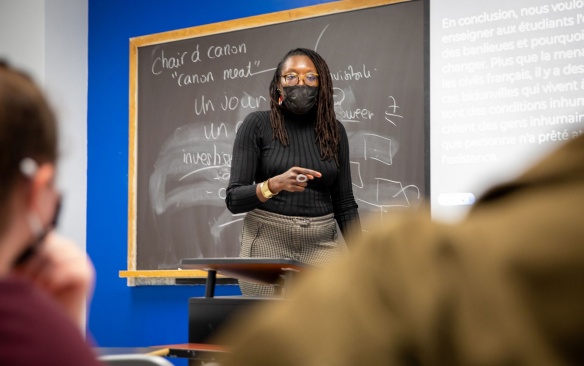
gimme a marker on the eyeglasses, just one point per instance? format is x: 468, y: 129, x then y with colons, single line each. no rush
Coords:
x: 292, y: 79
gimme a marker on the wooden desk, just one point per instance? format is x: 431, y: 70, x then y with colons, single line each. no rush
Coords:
x: 107, y: 351
x: 197, y: 351
x: 208, y: 314
x: 271, y: 271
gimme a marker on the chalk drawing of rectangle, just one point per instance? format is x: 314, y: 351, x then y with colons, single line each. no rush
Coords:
x: 356, y: 174
x: 377, y: 148
x: 371, y: 208
x: 390, y: 193
x: 376, y: 213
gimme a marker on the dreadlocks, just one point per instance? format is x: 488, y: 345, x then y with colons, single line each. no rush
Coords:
x: 327, y: 130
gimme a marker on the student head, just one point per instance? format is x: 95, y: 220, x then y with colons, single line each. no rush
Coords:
x: 303, y: 76
x: 28, y: 151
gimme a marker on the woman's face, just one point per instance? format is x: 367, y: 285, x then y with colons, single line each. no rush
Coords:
x: 300, y: 65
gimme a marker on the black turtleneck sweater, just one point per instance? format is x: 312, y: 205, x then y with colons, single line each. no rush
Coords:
x: 257, y: 156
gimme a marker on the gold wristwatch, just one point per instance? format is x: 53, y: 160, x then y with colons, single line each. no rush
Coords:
x: 266, y: 190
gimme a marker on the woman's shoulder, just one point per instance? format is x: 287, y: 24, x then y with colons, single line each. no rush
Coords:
x: 254, y: 123
x: 341, y: 126
x: 257, y: 117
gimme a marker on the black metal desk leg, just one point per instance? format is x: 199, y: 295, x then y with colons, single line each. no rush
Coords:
x: 210, y: 285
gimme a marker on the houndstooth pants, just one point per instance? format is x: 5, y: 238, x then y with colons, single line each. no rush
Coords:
x: 312, y: 240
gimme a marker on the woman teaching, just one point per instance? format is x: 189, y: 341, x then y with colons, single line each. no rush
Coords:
x: 290, y: 170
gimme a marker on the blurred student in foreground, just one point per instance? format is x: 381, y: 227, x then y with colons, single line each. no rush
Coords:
x: 503, y: 287
x: 45, y: 280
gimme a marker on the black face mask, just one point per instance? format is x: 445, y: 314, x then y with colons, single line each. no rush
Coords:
x: 39, y: 238
x: 300, y: 98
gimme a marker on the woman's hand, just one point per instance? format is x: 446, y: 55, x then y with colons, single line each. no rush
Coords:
x: 62, y: 270
x: 294, y: 179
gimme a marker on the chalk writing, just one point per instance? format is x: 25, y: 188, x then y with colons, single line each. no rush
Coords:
x: 204, y: 106
x: 351, y: 74
x: 195, y: 93
x: 214, y: 158
x: 239, y: 72
x: 247, y: 102
x: 390, y: 112
x: 215, y: 134
x: 167, y: 62
x: 356, y: 114
x: 186, y: 79
x: 226, y: 50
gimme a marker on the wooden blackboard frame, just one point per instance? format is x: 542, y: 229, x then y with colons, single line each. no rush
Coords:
x: 188, y: 33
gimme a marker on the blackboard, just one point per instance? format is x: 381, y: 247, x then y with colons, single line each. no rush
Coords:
x: 190, y: 93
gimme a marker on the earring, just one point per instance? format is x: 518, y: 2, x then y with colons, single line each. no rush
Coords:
x: 280, y: 100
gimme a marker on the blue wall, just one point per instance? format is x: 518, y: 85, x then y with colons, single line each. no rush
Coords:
x: 122, y: 316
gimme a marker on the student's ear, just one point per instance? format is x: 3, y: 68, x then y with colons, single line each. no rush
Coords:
x: 42, y: 196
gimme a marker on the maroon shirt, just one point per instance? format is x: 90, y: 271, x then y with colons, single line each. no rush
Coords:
x: 34, y: 330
